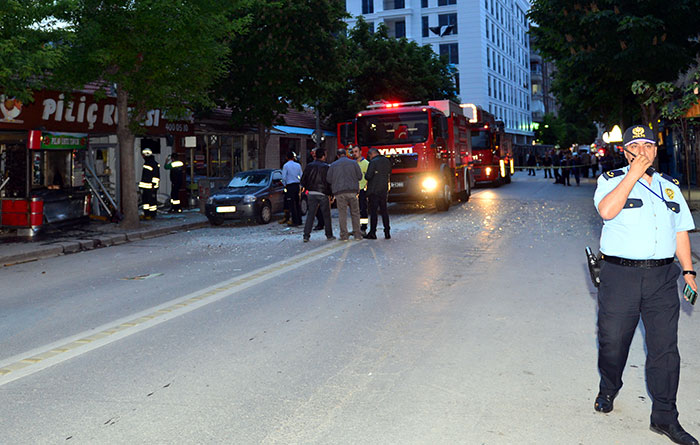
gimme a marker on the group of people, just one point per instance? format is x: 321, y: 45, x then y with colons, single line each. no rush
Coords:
x: 357, y: 185
x: 561, y: 167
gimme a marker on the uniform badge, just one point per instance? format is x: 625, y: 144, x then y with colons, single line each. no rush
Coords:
x: 610, y: 173
x: 638, y: 132
x: 669, y: 193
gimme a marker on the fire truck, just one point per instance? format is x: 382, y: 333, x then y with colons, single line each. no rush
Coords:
x: 428, y: 147
x: 492, y: 148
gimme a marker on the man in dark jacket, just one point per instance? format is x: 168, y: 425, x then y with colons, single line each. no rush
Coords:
x: 378, y: 174
x: 150, y: 180
x: 314, y: 181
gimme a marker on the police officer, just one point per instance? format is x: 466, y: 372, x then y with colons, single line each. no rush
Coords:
x: 150, y: 181
x: 176, y: 168
x: 646, y: 223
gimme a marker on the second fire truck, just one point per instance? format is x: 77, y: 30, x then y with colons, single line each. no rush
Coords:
x: 492, y: 148
x: 428, y: 146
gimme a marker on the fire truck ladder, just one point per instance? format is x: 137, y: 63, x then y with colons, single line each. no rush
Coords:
x: 100, y: 192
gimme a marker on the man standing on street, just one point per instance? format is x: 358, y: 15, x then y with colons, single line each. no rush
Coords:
x: 344, y: 176
x: 646, y: 223
x: 315, y: 182
x: 150, y: 181
x: 362, y: 196
x: 378, y: 174
x: 176, y: 168
x: 291, y: 175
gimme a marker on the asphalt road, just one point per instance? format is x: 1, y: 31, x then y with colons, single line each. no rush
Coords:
x: 475, y: 326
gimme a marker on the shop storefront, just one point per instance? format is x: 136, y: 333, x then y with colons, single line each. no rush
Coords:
x: 59, y: 158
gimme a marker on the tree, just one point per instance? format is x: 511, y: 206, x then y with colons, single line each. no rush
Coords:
x: 564, y: 131
x: 32, y: 44
x: 380, y: 67
x: 601, y: 47
x: 155, y: 54
x: 285, y: 60
x: 674, y: 101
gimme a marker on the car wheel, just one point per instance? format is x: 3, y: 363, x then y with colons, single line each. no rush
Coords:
x: 304, y: 205
x: 264, y: 213
x: 215, y: 221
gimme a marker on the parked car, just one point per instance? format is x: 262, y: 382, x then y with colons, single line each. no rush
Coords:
x: 254, y: 194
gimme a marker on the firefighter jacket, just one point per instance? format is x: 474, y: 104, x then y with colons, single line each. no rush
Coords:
x: 150, y: 174
x: 175, y: 168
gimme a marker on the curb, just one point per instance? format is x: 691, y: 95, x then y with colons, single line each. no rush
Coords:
x: 107, y: 240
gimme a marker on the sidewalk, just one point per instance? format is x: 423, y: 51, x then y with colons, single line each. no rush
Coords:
x: 93, y: 235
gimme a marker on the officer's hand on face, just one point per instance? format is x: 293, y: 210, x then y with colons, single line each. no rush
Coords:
x: 690, y: 281
x: 639, y: 166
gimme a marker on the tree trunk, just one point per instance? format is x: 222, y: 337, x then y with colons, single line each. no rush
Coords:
x: 127, y: 175
x: 263, y: 139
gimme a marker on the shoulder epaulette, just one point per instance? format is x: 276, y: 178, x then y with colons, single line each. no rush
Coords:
x: 670, y: 179
x: 613, y: 173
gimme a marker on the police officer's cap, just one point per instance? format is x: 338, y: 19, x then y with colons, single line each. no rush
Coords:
x: 146, y: 152
x: 638, y: 133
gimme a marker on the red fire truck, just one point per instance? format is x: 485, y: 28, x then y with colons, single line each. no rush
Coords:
x: 492, y: 148
x: 428, y: 147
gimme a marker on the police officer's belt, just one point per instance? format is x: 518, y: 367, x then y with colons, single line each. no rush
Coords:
x: 644, y: 264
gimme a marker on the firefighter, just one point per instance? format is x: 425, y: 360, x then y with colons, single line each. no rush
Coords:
x: 150, y: 180
x: 176, y: 168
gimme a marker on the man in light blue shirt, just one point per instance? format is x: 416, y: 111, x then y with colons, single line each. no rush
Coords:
x: 645, y: 224
x: 291, y: 175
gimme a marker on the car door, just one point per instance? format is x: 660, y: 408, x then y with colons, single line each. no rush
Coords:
x: 277, y: 192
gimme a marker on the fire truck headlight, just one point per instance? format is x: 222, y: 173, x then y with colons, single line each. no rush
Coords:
x: 488, y: 171
x: 429, y: 184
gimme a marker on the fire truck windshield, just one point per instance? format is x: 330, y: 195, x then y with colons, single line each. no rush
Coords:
x: 392, y: 128
x: 480, y: 140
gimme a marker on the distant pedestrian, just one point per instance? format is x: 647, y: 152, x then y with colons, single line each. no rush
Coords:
x: 291, y: 175
x: 547, y: 164
x: 378, y: 175
x: 566, y: 170
x: 556, y: 163
x: 314, y: 180
x: 344, y: 177
x: 576, y: 168
x: 362, y: 196
x: 531, y: 163
x: 319, y: 215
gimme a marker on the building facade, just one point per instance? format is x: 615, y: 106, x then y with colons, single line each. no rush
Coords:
x: 541, y: 75
x: 486, y: 41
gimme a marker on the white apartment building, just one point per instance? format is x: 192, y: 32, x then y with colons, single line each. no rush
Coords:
x: 486, y: 41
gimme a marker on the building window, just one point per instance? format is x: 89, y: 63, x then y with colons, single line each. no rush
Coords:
x: 367, y: 6
x: 423, y: 3
x: 488, y: 57
x: 446, y: 2
x: 448, y: 20
x: 426, y: 27
x: 400, y: 29
x: 487, y: 28
x: 450, y: 51
x: 399, y: 4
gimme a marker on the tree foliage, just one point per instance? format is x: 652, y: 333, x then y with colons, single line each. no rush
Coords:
x: 154, y: 53
x: 381, y: 67
x: 32, y: 44
x: 600, y: 48
x: 564, y: 132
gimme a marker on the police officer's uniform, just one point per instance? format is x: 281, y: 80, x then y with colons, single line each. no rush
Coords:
x: 638, y: 276
x: 150, y: 181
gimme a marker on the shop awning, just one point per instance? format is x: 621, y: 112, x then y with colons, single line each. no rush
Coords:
x: 300, y: 130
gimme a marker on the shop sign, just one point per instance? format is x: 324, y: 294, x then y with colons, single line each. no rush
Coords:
x: 63, y: 141
x: 79, y: 113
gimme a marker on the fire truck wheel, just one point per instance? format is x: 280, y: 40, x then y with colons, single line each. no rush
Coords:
x: 467, y: 189
x: 507, y: 178
x: 443, y: 201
